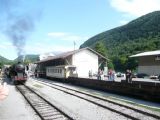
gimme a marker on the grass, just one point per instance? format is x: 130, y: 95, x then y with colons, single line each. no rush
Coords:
x: 38, y: 86
x: 136, y: 104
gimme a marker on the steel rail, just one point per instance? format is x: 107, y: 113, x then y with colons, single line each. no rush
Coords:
x: 44, y: 106
x: 128, y: 107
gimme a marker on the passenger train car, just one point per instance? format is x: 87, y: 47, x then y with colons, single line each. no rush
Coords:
x: 62, y: 71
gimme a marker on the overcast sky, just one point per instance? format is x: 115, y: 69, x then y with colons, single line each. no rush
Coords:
x: 54, y: 25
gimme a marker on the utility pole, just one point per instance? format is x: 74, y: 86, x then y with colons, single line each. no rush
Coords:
x: 23, y: 58
x: 74, y: 44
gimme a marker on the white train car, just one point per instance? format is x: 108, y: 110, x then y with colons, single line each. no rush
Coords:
x: 62, y: 71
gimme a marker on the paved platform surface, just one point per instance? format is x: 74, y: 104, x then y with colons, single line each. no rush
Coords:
x: 14, y: 107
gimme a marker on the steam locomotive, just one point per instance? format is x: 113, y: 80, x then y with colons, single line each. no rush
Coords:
x: 17, y: 73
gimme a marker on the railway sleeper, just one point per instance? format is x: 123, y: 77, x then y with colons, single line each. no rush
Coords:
x: 54, y: 117
x: 51, y: 114
x: 49, y: 110
x: 43, y: 107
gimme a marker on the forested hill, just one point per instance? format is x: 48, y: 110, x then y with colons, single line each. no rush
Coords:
x: 139, y: 35
x: 28, y: 58
x: 2, y: 59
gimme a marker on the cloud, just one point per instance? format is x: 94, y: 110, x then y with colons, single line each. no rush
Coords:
x: 52, y: 46
x: 57, y: 34
x: 6, y: 45
x: 3, y: 47
x: 135, y: 7
x: 66, y: 36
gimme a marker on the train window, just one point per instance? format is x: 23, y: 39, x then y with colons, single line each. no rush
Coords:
x: 72, y: 68
x: 60, y: 70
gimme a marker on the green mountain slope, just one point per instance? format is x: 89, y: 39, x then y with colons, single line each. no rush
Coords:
x: 4, y: 60
x: 28, y: 58
x: 142, y: 34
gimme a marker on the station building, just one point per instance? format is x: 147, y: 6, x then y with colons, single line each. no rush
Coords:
x: 149, y: 62
x: 85, y: 60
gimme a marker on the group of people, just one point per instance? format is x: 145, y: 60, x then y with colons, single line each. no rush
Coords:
x: 111, y: 75
x: 128, y: 76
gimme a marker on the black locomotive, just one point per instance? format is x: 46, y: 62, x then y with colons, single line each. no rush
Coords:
x: 17, y: 73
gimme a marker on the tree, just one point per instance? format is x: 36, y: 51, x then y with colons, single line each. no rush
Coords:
x: 138, y: 36
x: 110, y: 65
x: 100, y: 48
x: 1, y: 64
x: 27, y: 61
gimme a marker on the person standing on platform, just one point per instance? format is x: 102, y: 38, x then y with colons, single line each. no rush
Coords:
x: 113, y: 75
x: 110, y: 75
x: 99, y: 74
x: 90, y: 73
x: 127, y: 75
x: 130, y: 76
x: 3, y: 91
x: 102, y: 75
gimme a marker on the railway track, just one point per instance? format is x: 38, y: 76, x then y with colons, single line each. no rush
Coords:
x: 44, y: 109
x: 124, y: 110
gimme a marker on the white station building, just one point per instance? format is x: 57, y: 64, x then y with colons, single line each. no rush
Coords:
x: 85, y: 60
x: 149, y: 62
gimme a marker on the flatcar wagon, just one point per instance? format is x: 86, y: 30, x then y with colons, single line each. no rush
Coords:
x: 62, y: 71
